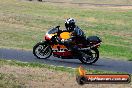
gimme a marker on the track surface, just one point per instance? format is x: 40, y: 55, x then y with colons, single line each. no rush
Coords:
x: 87, y: 4
x: 101, y: 64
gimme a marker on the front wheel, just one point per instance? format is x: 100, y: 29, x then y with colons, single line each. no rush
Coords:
x: 90, y: 57
x: 42, y: 50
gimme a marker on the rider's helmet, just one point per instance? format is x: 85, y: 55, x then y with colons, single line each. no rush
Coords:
x: 70, y: 24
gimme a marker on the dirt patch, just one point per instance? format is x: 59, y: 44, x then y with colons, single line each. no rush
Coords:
x: 87, y: 4
x: 45, y: 78
x: 122, y: 7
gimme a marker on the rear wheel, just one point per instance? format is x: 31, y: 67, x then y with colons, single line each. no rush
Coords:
x: 42, y: 50
x: 90, y: 57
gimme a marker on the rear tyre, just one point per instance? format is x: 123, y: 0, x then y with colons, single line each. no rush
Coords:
x: 42, y: 50
x: 90, y: 57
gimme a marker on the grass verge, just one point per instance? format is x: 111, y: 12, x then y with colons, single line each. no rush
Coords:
x: 16, y: 74
x: 52, y: 67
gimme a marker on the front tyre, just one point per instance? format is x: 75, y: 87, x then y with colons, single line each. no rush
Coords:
x: 90, y: 57
x: 42, y: 50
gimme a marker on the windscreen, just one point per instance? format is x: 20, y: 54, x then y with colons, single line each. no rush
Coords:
x: 53, y: 31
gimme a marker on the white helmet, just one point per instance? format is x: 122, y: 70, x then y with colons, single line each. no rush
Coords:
x: 70, y: 24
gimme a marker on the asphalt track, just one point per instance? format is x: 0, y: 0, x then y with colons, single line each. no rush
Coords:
x: 87, y: 4
x: 101, y: 64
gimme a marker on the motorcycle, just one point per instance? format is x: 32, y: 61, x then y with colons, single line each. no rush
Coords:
x: 89, y: 52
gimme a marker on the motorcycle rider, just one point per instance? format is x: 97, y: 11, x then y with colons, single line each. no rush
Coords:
x: 77, y: 35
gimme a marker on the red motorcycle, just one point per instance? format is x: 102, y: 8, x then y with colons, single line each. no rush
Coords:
x: 50, y: 46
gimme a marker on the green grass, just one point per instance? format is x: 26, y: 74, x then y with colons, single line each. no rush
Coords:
x: 23, y: 24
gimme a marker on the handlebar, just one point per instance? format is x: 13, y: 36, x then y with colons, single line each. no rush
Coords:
x: 58, y: 33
